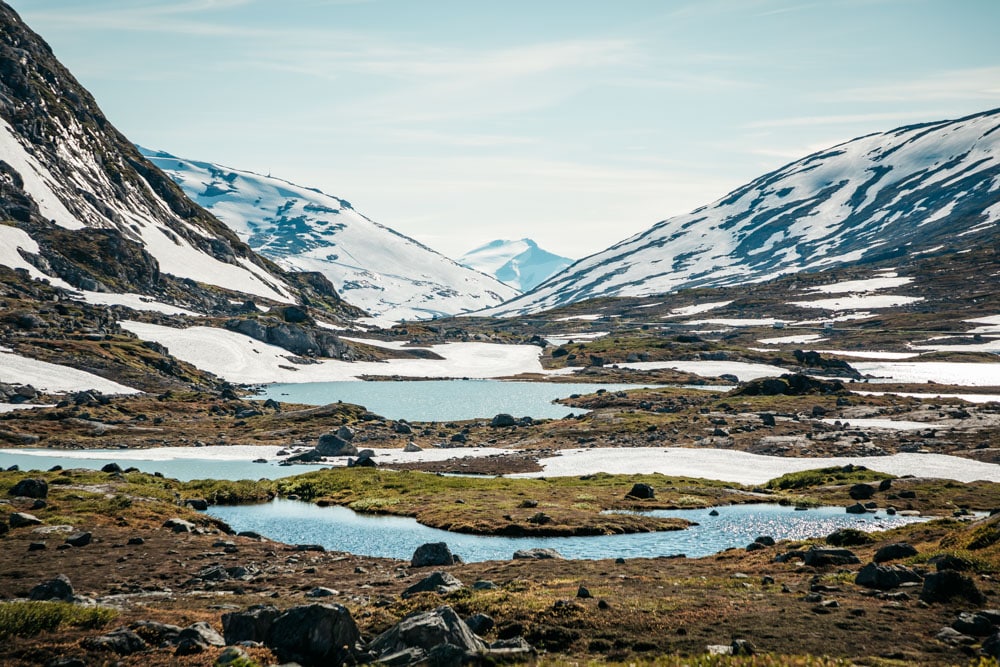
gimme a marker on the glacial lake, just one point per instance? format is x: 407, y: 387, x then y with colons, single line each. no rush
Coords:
x: 443, y: 400
x: 340, y: 529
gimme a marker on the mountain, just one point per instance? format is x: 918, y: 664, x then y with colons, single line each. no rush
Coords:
x: 300, y: 228
x: 86, y: 210
x: 520, y: 264
x: 919, y: 189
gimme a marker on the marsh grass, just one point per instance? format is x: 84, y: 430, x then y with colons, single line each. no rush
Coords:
x: 28, y: 618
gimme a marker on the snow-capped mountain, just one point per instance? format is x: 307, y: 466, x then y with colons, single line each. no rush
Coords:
x: 88, y: 211
x: 520, y: 264
x: 923, y: 188
x: 300, y: 228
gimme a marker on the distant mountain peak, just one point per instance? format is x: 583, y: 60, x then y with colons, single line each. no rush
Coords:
x: 522, y: 264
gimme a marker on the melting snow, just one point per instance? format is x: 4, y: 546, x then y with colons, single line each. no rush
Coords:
x: 855, y: 302
x: 744, y: 371
x: 135, y: 302
x: 696, y: 309
x: 940, y: 372
x: 887, y: 424
x: 869, y: 285
x: 800, y: 338
x: 54, y: 378
x: 871, y: 354
x: 238, y: 358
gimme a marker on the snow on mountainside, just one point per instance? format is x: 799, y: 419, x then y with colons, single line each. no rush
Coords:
x: 923, y: 188
x: 98, y: 215
x: 520, y: 264
x: 300, y: 228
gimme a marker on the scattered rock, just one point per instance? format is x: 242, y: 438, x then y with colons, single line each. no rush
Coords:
x: 196, y: 638
x: 441, y: 583
x: 426, y: 631
x: 412, y: 448
x: 856, y: 508
x: 252, y: 625
x: 323, y: 634
x: 322, y: 592
x: 432, y: 554
x: 536, y: 554
x: 885, y: 577
x: 819, y: 556
x: 503, y: 420
x: 179, y: 525
x: 742, y: 647
x: 199, y: 504
x: 977, y: 625
x: 58, y: 588
x: 22, y: 519
x: 848, y: 537
x: 948, y: 584
x: 121, y: 641
x: 642, y: 491
x: 480, y: 624
x: 333, y: 444
x: 31, y: 488
x: 894, y: 551
x: 583, y: 592
x: 111, y: 467
x: 861, y: 492
x: 79, y: 539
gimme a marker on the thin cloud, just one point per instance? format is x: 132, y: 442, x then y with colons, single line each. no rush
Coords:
x: 982, y: 83
x: 843, y: 119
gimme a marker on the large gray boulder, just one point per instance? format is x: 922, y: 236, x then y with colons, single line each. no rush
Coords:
x: 948, y: 584
x: 179, y: 525
x: 252, y: 625
x: 536, y: 554
x: 432, y: 554
x: 323, y: 634
x: 820, y: 556
x: 121, y: 641
x: 439, y: 582
x: 895, y: 551
x: 22, y: 519
x: 31, y: 488
x: 58, y: 588
x: 426, y: 631
x: 332, y: 444
x: 885, y: 577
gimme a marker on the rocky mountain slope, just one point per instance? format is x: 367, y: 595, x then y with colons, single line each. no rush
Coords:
x: 304, y: 229
x: 520, y: 264
x: 83, y: 209
x: 917, y: 190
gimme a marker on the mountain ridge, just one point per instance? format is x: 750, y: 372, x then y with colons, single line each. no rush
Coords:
x: 931, y: 183
x: 304, y: 228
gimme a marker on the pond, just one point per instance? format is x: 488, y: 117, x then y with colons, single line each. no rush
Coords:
x: 340, y: 529
x: 442, y: 400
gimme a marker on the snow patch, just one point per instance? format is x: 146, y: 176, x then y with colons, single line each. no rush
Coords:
x: 54, y: 378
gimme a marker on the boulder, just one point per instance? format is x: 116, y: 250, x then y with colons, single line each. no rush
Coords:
x: 58, y: 588
x: 156, y: 633
x: 767, y: 419
x: 439, y: 582
x: 179, y: 525
x: 643, y: 491
x: 412, y: 448
x: 894, y: 551
x: 503, y: 420
x: 252, y: 625
x: 332, y: 444
x: 79, y: 539
x: 199, y: 504
x: 428, y: 630
x: 314, y: 634
x: 480, y: 624
x: 991, y: 647
x: 402, y: 428
x: 196, y: 638
x: 22, y: 519
x: 111, y: 467
x: 121, y: 641
x: 321, y: 592
x: 536, y: 554
x: 31, y: 488
x: 856, y: 508
x: 308, y: 456
x: 885, y: 577
x: 861, y: 492
x: 976, y: 625
x: 820, y: 556
x: 848, y: 537
x: 432, y: 554
x: 948, y: 584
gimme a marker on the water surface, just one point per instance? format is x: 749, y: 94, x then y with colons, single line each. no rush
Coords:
x: 340, y: 529
x: 443, y: 400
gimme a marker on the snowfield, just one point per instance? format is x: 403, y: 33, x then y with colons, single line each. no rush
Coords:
x: 940, y: 372
x: 744, y: 371
x: 859, y: 302
x: 238, y: 358
x: 743, y: 468
x: 53, y: 378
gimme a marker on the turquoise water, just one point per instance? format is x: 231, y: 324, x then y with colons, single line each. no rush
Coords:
x: 340, y: 529
x: 442, y: 400
x: 182, y: 469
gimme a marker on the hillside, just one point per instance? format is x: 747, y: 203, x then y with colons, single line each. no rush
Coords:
x: 303, y: 229
x: 915, y: 190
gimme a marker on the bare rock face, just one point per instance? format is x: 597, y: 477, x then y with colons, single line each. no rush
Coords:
x: 58, y: 588
x: 332, y: 444
x: 432, y: 554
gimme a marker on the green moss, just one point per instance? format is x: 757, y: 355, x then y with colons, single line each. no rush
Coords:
x: 826, y: 476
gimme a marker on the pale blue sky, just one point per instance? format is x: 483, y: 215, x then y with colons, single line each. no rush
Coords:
x: 574, y: 122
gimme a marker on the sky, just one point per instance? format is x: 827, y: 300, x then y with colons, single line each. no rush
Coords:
x: 577, y: 123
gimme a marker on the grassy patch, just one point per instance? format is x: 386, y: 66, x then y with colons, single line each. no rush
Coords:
x: 825, y: 476
x: 25, y: 619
